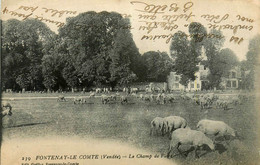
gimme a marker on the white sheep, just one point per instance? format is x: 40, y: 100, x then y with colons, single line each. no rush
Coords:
x: 113, y: 97
x: 141, y: 96
x: 104, y: 99
x: 215, y: 128
x: 172, y: 123
x: 123, y: 99
x: 92, y: 94
x: 61, y: 98
x: 189, y: 137
x: 157, y: 125
x: 77, y: 100
x: 151, y: 97
x: 117, y: 93
x: 146, y: 97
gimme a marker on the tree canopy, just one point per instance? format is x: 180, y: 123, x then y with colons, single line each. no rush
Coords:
x: 186, y: 52
x: 158, y: 65
x: 23, y: 45
x: 91, y: 49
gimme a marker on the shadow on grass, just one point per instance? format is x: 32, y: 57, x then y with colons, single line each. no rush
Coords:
x: 220, y: 148
x: 228, y: 109
x: 29, y: 124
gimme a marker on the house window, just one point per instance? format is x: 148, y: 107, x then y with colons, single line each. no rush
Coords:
x: 233, y: 74
x: 176, y: 85
x: 176, y: 78
x: 228, y: 84
x: 192, y: 85
x: 234, y: 84
x: 198, y: 85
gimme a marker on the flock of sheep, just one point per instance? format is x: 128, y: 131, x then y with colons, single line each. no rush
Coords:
x: 180, y: 133
x: 205, y: 100
x: 175, y: 126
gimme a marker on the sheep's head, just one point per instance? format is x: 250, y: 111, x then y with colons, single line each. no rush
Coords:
x: 211, y: 145
x: 232, y: 132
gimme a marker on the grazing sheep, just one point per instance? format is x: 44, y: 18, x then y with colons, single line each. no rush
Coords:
x: 146, y: 97
x: 133, y: 90
x: 189, y: 137
x: 169, y: 99
x: 151, y: 97
x: 113, y: 97
x: 117, y: 93
x: 134, y: 95
x: 196, y: 100
x: 61, y: 98
x: 157, y: 125
x: 171, y: 96
x: 78, y: 100
x: 205, y: 101
x: 158, y: 99
x: 98, y: 90
x: 223, y: 104
x: 92, y: 95
x: 172, y: 123
x: 216, y: 128
x: 84, y: 99
x: 235, y: 100
x: 104, y: 99
x: 123, y: 99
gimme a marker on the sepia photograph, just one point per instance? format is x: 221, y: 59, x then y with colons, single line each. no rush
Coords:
x: 131, y: 82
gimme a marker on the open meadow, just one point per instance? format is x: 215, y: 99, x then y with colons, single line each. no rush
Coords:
x: 130, y: 123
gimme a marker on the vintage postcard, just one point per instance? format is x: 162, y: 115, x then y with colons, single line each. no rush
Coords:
x: 88, y: 82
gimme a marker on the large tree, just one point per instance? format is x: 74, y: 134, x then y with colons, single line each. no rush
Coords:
x: 251, y: 64
x: 158, y: 65
x: 186, y: 52
x: 23, y: 48
x: 98, y: 47
x: 221, y: 66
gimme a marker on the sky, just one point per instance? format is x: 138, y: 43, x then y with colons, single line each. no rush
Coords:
x: 230, y: 8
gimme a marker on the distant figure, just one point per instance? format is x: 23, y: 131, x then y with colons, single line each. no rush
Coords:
x: 61, y: 98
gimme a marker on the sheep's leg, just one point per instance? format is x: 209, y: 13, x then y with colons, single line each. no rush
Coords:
x: 162, y: 131
x: 151, y: 131
x: 178, y: 145
x: 215, y: 137
x: 227, y: 141
x: 195, y: 152
x: 169, y: 151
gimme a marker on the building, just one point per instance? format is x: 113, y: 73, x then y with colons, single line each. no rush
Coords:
x: 233, y: 79
x: 173, y: 79
x: 196, y: 85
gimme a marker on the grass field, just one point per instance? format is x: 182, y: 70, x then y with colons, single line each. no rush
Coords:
x: 130, y: 123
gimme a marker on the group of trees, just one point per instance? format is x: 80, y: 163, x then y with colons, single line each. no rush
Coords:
x: 92, y: 49
x: 186, y: 53
x: 22, y: 51
x: 251, y: 64
x: 97, y: 49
